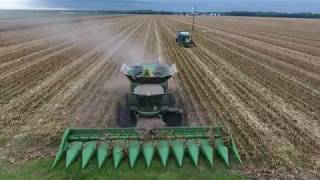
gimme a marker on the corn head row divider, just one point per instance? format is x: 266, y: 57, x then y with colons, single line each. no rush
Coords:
x: 118, y: 143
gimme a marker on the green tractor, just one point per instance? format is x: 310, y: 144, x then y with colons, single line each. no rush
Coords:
x: 184, y: 39
x: 150, y: 124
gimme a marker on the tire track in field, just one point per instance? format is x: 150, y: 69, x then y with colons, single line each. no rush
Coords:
x: 275, y: 48
x: 299, y: 49
x: 60, y: 40
x: 304, y: 142
x: 268, y: 108
x: 21, y: 36
x: 185, y: 67
x: 192, y: 106
x: 307, y: 102
x: 306, y: 74
x: 282, y: 60
x: 146, y: 34
x: 51, y: 84
x: 214, y: 42
x: 283, y: 38
x: 24, y: 49
x: 37, y: 44
x: 68, y: 97
x: 16, y: 83
x: 103, y: 93
x: 270, y: 27
x: 82, y: 36
x: 245, y: 137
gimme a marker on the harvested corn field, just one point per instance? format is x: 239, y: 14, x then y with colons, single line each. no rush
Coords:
x: 259, y: 77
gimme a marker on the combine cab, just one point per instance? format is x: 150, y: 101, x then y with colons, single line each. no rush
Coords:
x: 150, y: 125
x: 184, y: 39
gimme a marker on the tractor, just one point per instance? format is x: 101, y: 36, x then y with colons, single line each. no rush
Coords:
x: 184, y: 39
x: 150, y: 123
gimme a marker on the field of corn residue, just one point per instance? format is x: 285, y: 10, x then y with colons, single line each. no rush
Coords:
x: 260, y: 77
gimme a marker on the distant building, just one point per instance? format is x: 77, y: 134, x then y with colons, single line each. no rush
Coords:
x: 214, y: 14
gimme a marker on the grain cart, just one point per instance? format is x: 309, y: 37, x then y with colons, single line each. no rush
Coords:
x: 184, y: 39
x: 149, y: 125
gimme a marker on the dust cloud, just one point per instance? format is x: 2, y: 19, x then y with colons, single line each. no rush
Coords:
x: 95, y: 34
x: 90, y: 34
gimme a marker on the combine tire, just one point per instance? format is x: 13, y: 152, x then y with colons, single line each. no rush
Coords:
x: 125, y: 118
x: 173, y: 119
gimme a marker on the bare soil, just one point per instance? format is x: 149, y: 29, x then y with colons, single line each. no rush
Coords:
x: 260, y: 77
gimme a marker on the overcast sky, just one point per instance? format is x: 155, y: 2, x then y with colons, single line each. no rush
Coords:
x: 169, y: 5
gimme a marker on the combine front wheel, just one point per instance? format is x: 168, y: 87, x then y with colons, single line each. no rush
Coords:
x: 126, y: 118
x: 173, y: 119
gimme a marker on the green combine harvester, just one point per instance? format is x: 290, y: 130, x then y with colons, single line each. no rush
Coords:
x: 150, y: 124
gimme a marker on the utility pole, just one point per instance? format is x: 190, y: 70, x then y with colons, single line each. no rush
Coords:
x: 193, y: 14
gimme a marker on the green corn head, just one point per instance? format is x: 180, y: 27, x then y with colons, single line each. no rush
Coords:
x: 119, y: 143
